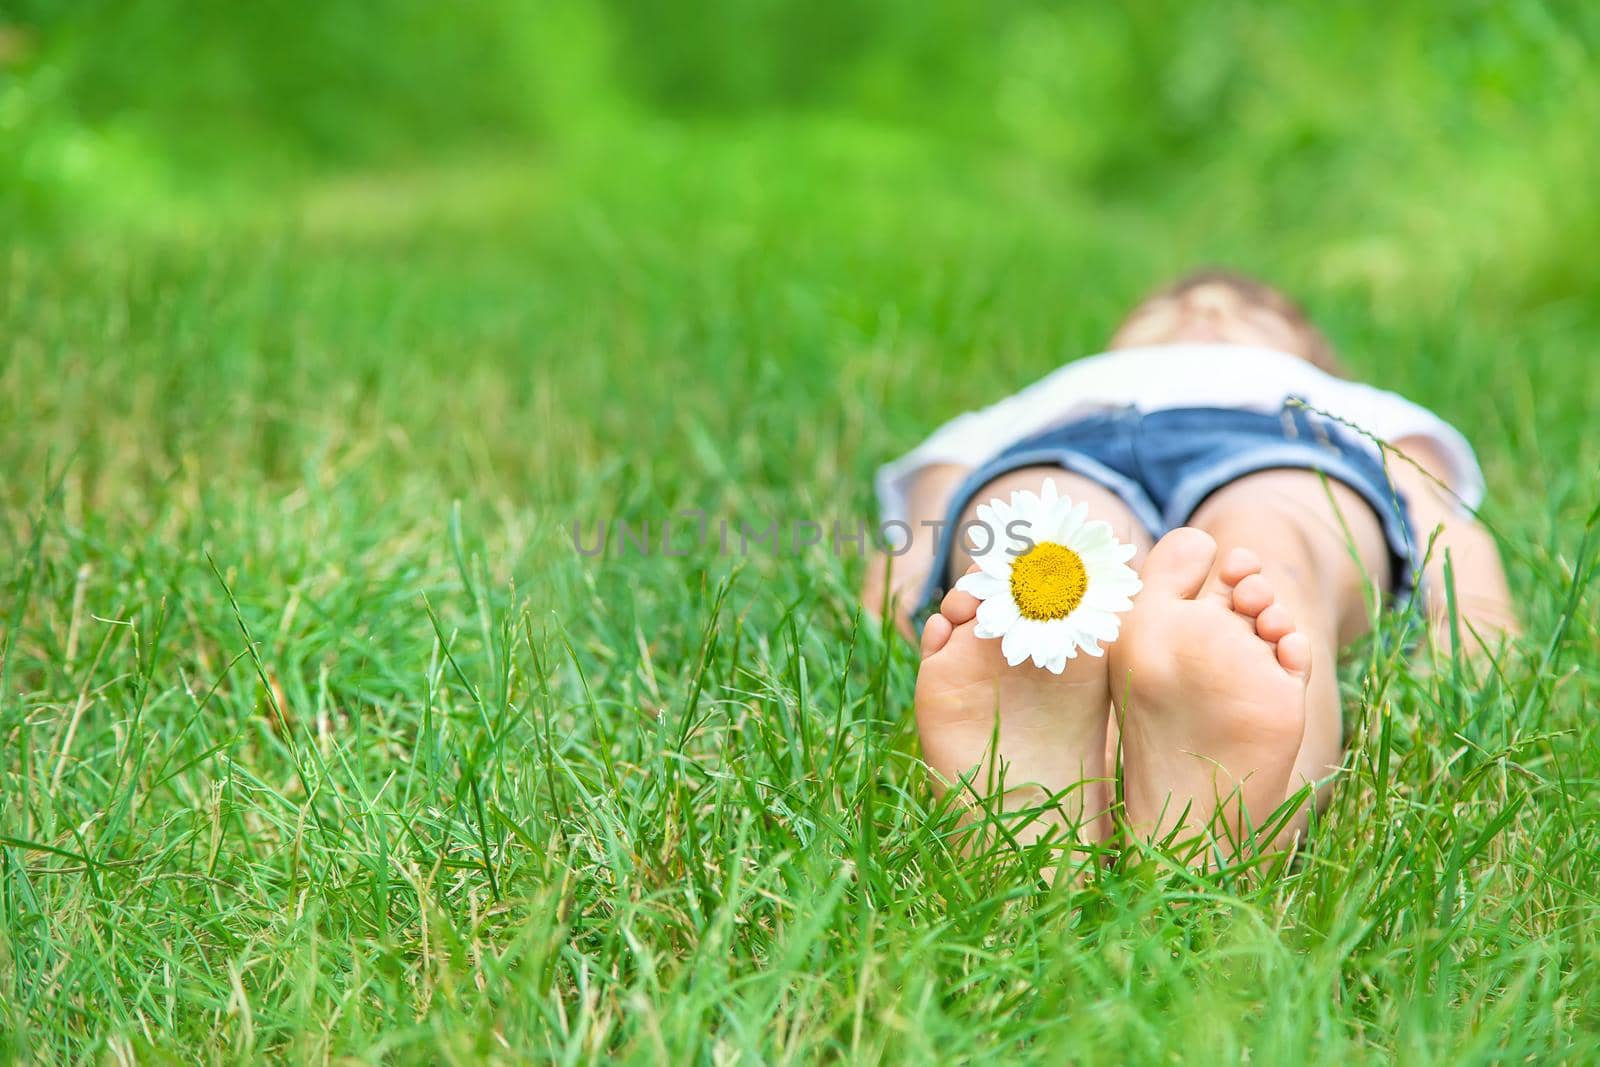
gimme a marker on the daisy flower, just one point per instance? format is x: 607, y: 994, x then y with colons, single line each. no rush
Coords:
x: 1050, y: 583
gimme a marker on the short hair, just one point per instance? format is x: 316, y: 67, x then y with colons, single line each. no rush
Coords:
x: 1318, y: 349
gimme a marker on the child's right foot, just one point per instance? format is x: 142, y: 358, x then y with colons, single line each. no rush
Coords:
x: 1210, y: 676
x: 1048, y: 730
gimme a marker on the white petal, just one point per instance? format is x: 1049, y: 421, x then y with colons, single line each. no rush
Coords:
x: 1054, y: 642
x: 1049, y: 518
x: 1107, y: 556
x: 994, y: 515
x: 1017, y: 645
x: 1105, y: 598
x: 996, y: 617
x: 1066, y: 523
x: 1058, y: 638
x: 1121, y: 577
x: 981, y: 584
x: 1117, y: 578
x: 1114, y: 587
x: 1122, y: 591
x: 1056, y: 524
x: 1023, y: 524
x: 986, y: 512
x: 1102, y: 625
x: 1092, y: 536
x: 1053, y: 518
x: 996, y: 562
x: 1099, y: 560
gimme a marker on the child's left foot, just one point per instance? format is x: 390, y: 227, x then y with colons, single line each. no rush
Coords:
x: 1048, y: 730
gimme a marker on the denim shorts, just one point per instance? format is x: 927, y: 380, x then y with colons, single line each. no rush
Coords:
x: 1164, y: 465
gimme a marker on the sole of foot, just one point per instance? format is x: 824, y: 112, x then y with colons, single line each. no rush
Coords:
x: 1209, y: 678
x: 1035, y: 739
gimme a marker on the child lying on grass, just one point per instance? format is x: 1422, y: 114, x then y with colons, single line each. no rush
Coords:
x: 1220, y: 438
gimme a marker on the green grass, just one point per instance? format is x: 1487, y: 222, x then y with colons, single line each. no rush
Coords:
x: 321, y: 740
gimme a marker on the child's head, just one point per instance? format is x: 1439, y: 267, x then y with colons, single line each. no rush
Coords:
x: 1222, y: 306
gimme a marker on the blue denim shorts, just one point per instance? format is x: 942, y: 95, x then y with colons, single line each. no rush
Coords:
x: 1165, y: 463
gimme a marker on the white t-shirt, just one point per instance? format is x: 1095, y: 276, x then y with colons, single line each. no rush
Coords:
x: 1178, y: 376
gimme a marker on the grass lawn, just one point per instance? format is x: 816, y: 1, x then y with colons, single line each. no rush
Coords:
x: 321, y: 740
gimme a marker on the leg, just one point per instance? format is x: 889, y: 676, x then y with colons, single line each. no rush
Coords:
x: 1034, y: 739
x: 1226, y: 666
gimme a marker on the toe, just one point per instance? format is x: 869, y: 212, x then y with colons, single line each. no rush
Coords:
x: 1253, y: 595
x: 1177, y: 566
x: 1294, y: 653
x: 959, y: 606
x: 1238, y: 564
x: 1274, y: 623
x: 936, y: 634
x: 1235, y: 565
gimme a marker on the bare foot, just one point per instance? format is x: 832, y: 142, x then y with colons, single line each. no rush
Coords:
x: 1048, y: 730
x: 1210, y: 678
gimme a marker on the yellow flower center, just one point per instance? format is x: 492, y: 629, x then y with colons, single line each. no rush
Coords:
x: 1048, y: 581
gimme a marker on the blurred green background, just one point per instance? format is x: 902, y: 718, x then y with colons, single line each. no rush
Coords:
x: 1465, y: 127
x: 953, y: 179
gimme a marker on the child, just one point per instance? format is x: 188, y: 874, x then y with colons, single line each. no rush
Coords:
x: 1221, y: 438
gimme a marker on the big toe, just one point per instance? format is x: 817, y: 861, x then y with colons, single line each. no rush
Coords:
x: 960, y: 606
x: 1177, y: 566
